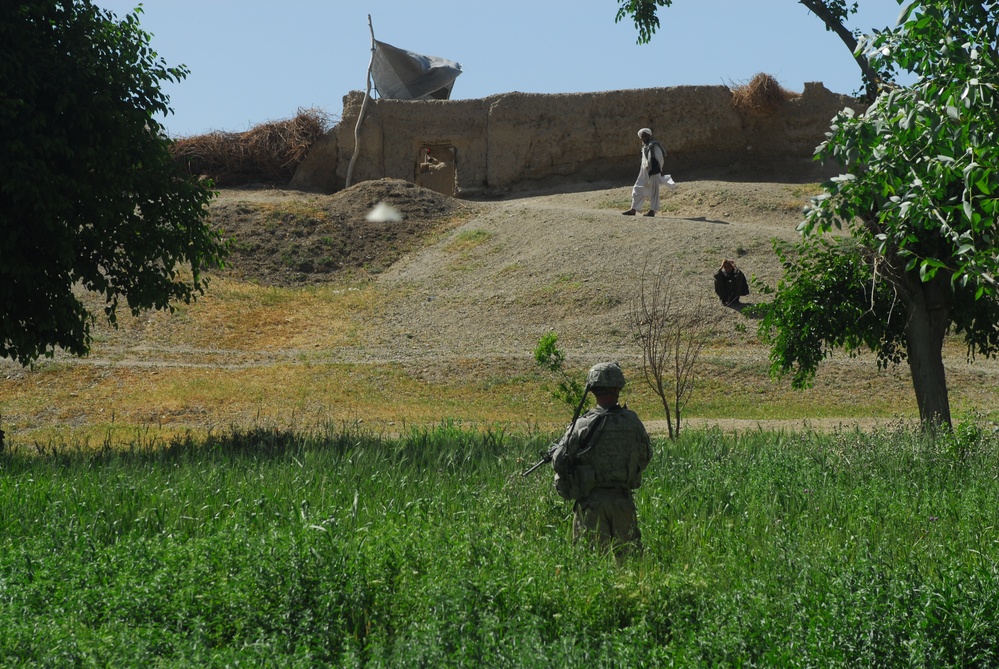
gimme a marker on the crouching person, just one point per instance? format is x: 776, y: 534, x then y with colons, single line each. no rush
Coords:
x: 599, y: 462
x: 730, y: 284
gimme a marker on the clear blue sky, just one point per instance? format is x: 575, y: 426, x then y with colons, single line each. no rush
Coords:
x: 253, y: 61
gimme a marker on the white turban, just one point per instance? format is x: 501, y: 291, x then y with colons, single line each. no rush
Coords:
x: 644, y: 131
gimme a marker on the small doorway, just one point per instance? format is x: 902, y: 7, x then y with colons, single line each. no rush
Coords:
x: 436, y: 169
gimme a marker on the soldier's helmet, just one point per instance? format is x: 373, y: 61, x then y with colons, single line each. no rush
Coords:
x: 605, y: 375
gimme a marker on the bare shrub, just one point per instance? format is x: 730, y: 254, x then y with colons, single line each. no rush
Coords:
x: 671, y: 338
x: 267, y: 153
x: 762, y: 96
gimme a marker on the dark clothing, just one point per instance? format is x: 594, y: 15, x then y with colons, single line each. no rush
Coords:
x: 651, y: 153
x: 730, y: 286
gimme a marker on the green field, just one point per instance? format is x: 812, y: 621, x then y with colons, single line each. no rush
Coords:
x: 253, y: 480
x: 341, y: 548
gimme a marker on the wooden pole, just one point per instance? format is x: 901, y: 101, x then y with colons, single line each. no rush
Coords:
x: 364, y: 107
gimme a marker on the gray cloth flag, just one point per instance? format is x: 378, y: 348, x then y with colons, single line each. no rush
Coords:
x: 403, y: 75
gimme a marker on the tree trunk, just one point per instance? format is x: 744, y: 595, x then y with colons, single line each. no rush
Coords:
x: 928, y: 320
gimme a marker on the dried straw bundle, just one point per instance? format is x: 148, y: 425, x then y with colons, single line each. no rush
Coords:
x: 268, y: 153
x: 762, y: 96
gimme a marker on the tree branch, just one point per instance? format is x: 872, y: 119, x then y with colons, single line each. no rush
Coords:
x: 834, y: 23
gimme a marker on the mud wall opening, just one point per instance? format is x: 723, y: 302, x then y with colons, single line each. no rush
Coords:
x: 437, y: 169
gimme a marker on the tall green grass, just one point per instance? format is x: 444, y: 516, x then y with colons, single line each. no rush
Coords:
x: 337, y: 547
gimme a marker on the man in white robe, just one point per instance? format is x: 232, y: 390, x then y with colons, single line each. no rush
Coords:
x: 650, y: 177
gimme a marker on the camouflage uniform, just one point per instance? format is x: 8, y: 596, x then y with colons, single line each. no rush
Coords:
x: 598, y: 462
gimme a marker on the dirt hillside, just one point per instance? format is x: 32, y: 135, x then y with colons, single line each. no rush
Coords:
x: 455, y: 295
x: 287, y: 238
x: 487, y: 278
x: 472, y: 285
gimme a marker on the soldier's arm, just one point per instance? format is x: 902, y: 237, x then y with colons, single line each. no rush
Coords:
x: 646, y: 455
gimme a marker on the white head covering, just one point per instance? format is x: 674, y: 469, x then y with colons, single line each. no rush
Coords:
x: 644, y: 131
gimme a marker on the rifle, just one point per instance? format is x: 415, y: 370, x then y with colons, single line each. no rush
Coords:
x: 554, y: 447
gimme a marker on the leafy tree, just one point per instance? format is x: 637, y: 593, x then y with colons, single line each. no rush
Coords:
x: 90, y: 197
x: 828, y: 299
x: 919, y: 201
x: 833, y: 13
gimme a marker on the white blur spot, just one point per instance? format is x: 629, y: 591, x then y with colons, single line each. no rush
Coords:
x: 886, y: 51
x: 383, y: 213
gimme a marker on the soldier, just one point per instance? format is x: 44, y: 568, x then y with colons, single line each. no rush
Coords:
x: 599, y: 461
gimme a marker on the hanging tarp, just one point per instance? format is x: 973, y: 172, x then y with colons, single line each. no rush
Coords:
x: 403, y: 75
